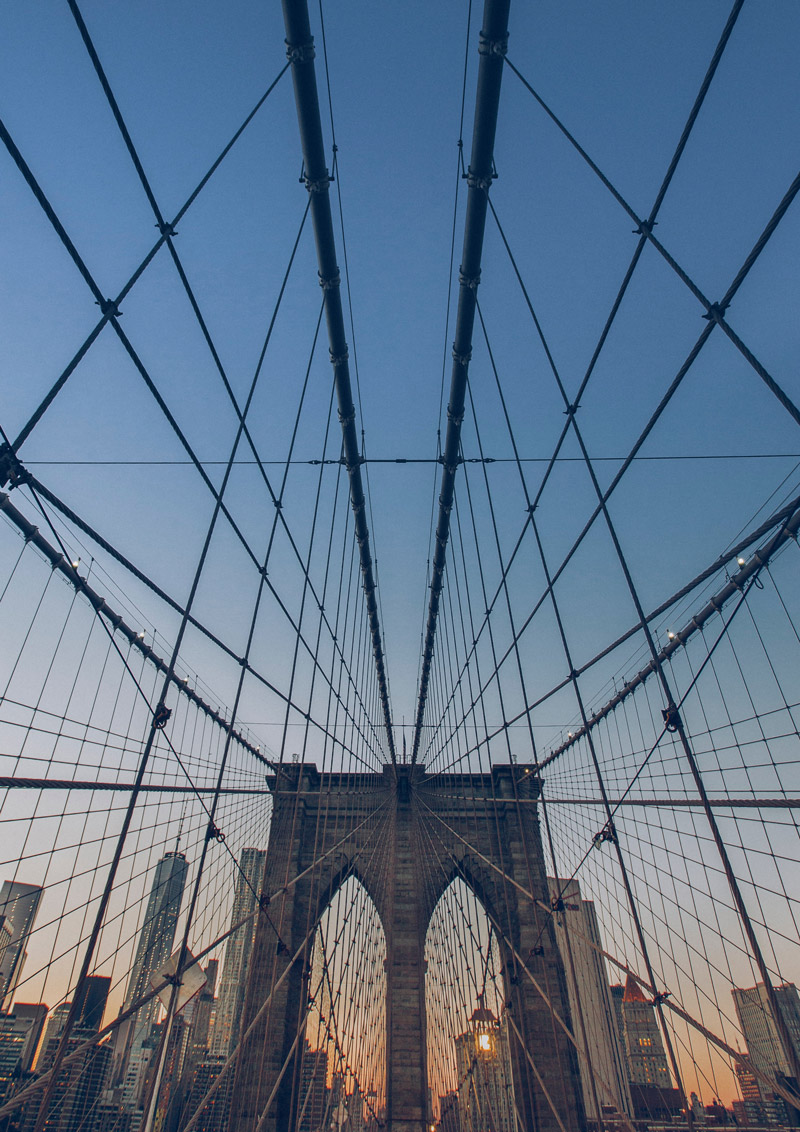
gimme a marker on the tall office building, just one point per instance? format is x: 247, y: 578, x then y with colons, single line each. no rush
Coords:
x: 135, y: 1044
x: 313, y: 1100
x: 157, y: 934
x: 644, y: 1049
x: 18, y: 906
x: 764, y: 1046
x: 483, y: 1066
x: 238, y: 951
x: 79, y: 1084
x: 19, y: 1037
x: 590, y: 1000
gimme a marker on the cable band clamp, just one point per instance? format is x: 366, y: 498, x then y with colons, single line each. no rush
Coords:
x: 671, y: 717
x: 214, y: 833
x: 320, y: 186
x: 475, y: 182
x: 495, y: 47
x: 470, y: 281
x: 300, y: 52
x: 329, y: 283
x: 607, y: 833
x: 161, y: 717
x: 715, y: 312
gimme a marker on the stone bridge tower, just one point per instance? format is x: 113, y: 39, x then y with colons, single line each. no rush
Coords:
x: 482, y: 828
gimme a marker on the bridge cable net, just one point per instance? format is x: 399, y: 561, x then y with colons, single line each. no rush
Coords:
x: 668, y: 835
x: 642, y: 845
x: 171, y: 878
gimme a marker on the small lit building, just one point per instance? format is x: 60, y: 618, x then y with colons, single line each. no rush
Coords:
x: 483, y: 1063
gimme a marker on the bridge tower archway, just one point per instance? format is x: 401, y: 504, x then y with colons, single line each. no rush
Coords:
x: 327, y: 827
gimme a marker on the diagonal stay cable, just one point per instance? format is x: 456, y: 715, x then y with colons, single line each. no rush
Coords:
x: 300, y: 51
x: 111, y: 307
x: 714, y: 311
x: 168, y: 230
x: 492, y: 48
x: 99, y: 602
x: 785, y: 513
x: 638, y: 443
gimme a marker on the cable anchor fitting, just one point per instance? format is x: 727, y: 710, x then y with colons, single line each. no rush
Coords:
x: 462, y: 359
x: 263, y: 901
x: 214, y: 833
x: 161, y: 717
x: 476, y: 182
x: 715, y: 312
x: 495, y: 47
x: 320, y: 186
x: 11, y: 470
x: 331, y: 282
x: 557, y: 904
x: 671, y: 717
x: 645, y: 228
x: 300, y: 52
x: 167, y: 229
x: 660, y: 997
x: 339, y: 360
x: 607, y: 833
x: 108, y: 307
x: 470, y: 281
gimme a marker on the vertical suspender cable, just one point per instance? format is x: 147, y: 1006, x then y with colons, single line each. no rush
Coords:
x: 492, y: 48
x: 300, y: 52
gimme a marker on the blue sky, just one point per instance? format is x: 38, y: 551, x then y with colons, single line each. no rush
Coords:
x: 621, y: 77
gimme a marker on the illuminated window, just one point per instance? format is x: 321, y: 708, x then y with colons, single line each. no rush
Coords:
x: 484, y: 1042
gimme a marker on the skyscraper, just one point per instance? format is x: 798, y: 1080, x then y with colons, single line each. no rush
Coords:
x: 134, y: 1045
x: 644, y: 1049
x: 18, y: 906
x: 313, y: 1100
x: 157, y: 934
x: 483, y: 1065
x: 79, y: 1083
x: 590, y: 1001
x: 237, y: 952
x: 19, y: 1036
x: 764, y: 1046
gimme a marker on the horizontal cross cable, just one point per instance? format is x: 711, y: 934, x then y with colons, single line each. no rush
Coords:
x: 668, y: 803
x: 19, y: 520
x: 15, y: 783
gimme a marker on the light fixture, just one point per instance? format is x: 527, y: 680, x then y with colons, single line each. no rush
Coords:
x: 741, y: 561
x: 140, y: 635
x: 670, y: 635
x: 569, y: 735
x: 76, y: 563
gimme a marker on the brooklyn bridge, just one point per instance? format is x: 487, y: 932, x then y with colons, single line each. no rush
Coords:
x: 400, y: 496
